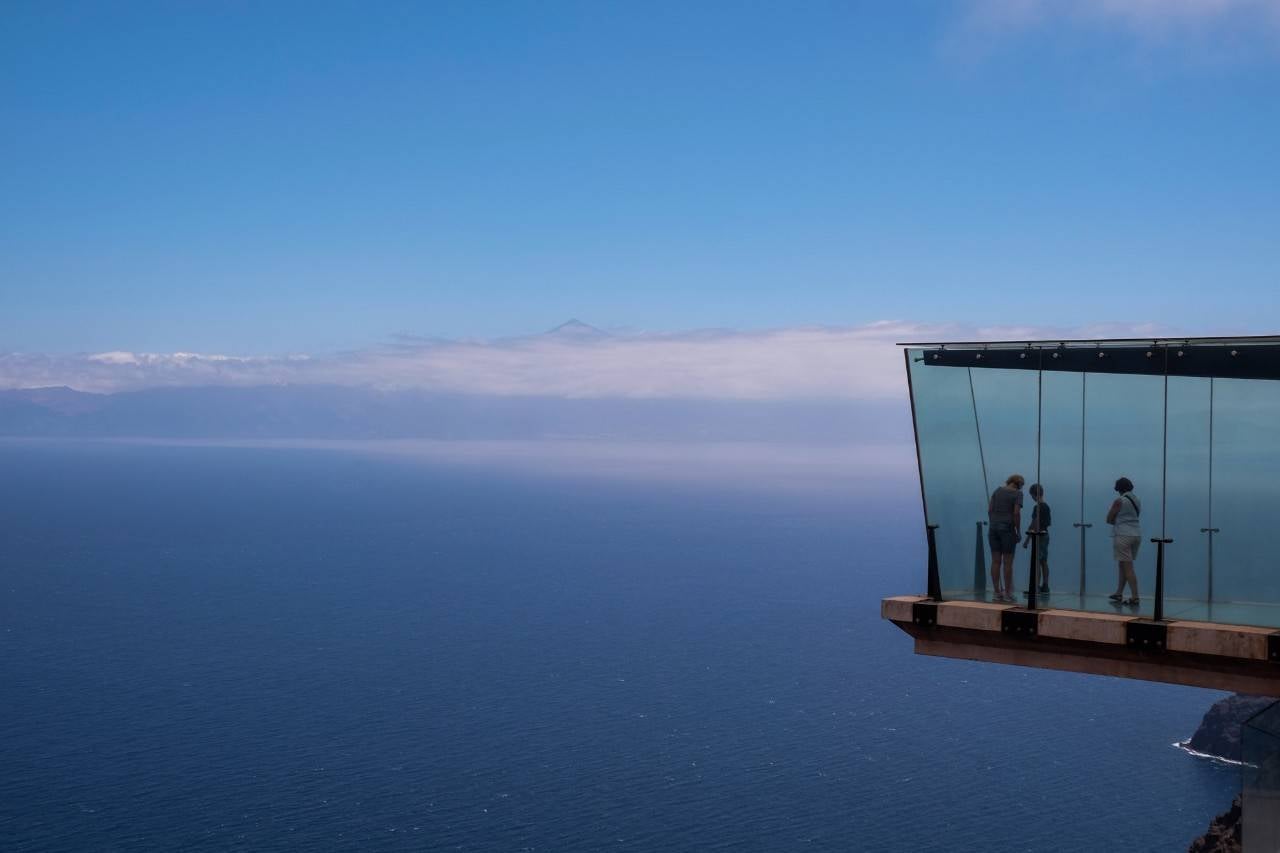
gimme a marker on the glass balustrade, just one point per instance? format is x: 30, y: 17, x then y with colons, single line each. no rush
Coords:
x: 1194, y: 424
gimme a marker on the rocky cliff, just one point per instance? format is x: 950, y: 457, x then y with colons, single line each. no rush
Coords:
x: 1219, y: 731
x: 1219, y: 734
x: 1223, y: 835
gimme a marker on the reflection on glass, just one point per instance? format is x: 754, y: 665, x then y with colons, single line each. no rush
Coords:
x: 1007, y: 404
x: 1187, y: 477
x: 1061, y: 446
x: 950, y: 460
x: 1246, y: 477
x: 1124, y: 429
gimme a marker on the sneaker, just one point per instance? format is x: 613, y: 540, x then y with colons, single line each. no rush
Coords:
x: 1116, y: 597
x: 1044, y: 590
x: 1131, y: 602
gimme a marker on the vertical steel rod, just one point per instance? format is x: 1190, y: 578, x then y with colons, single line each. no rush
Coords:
x: 1163, y: 540
x: 979, y: 563
x: 1084, y: 388
x: 980, y: 559
x: 977, y: 429
x: 1211, y: 529
x: 1164, y: 450
x: 1034, y: 532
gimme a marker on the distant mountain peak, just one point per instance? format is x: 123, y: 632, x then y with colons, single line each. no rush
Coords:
x: 575, y: 328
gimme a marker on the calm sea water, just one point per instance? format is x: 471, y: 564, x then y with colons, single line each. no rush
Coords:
x: 209, y: 649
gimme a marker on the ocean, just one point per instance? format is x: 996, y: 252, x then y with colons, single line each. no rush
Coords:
x: 278, y: 648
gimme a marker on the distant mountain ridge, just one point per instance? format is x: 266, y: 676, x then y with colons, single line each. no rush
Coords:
x: 349, y: 412
x: 575, y: 328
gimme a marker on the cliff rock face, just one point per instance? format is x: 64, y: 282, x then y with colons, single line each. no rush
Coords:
x: 1223, y: 835
x: 1219, y: 731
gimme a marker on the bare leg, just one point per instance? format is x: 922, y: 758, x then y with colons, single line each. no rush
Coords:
x: 1008, y: 574
x: 995, y: 573
x: 1129, y: 576
x: 1044, y: 573
x: 1120, y: 578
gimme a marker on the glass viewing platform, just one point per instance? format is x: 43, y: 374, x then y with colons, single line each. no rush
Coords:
x: 1194, y: 426
x: 1193, y: 423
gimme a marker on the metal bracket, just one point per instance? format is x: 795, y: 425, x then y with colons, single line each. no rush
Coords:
x: 924, y: 613
x: 1024, y: 623
x: 1273, y: 647
x: 1147, y: 636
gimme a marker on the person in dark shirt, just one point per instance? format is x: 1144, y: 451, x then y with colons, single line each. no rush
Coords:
x: 1041, y: 518
x: 1004, y: 516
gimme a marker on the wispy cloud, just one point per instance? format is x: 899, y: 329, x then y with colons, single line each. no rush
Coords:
x: 1230, y: 25
x: 797, y: 363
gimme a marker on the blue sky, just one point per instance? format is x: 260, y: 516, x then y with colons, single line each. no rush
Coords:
x: 271, y: 178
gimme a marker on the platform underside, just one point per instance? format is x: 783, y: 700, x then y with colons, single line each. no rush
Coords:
x: 1236, y: 658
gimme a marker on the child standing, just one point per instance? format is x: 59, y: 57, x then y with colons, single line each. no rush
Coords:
x: 1041, y: 518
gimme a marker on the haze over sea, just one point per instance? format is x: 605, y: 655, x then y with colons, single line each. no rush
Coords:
x: 543, y: 646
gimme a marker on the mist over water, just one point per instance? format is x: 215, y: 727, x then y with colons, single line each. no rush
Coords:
x: 529, y: 645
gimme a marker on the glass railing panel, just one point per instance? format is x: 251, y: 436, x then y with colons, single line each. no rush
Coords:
x: 1205, y: 474
x: 1124, y: 427
x: 1061, y: 475
x: 952, y: 473
x: 1260, y: 825
x: 1246, y: 478
x: 1264, y: 615
x: 1007, y: 404
x: 1188, y: 509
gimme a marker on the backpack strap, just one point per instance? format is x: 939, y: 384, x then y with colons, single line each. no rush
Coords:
x: 1133, y: 504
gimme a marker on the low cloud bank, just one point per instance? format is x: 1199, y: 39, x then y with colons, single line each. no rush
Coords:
x: 808, y: 363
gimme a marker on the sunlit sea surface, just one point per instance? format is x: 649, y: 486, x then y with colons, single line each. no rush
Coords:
x: 211, y: 648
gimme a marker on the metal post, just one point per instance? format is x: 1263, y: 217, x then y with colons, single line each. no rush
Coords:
x: 935, y: 581
x: 979, y: 562
x: 1159, y: 611
x: 1164, y: 498
x: 1035, y: 558
x: 1210, y: 531
x: 1083, y: 527
x: 1031, y: 587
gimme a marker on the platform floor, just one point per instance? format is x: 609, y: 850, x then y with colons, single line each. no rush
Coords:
x: 1232, y: 613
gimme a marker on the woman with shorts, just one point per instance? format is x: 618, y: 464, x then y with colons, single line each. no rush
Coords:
x: 1126, y: 535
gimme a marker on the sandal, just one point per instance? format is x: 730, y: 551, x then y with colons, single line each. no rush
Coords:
x: 1131, y: 602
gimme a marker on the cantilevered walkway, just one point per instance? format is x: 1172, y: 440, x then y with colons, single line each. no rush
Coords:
x: 1193, y: 423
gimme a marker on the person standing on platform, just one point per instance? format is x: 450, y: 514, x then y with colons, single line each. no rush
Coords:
x: 1126, y: 535
x: 1004, y: 516
x: 1041, y: 518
